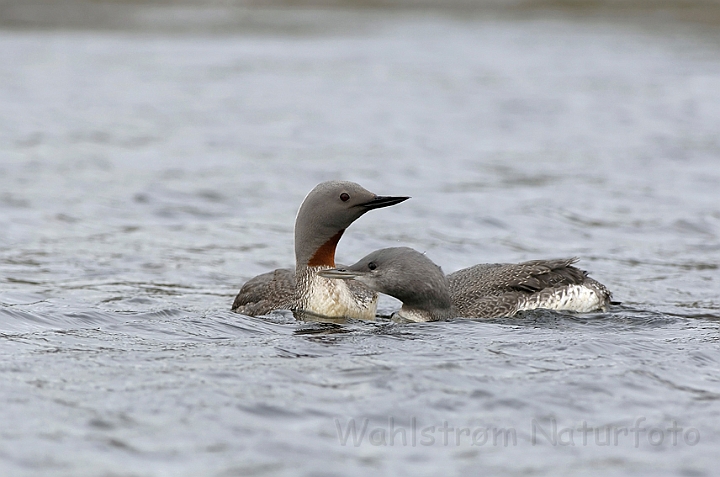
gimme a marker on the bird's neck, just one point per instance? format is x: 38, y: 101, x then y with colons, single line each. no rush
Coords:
x: 318, y: 256
x: 325, y: 255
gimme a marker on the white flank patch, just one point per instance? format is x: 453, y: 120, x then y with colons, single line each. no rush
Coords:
x: 577, y: 298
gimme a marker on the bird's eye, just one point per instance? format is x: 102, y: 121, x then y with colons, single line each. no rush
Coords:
x: 344, y: 196
x: 372, y: 266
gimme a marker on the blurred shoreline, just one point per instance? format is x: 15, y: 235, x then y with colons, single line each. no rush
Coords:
x: 301, y: 15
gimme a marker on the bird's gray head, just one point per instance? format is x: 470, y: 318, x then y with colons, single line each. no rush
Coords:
x: 325, y: 214
x: 402, y: 272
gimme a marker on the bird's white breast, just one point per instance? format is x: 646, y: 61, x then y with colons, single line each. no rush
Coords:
x: 333, y: 298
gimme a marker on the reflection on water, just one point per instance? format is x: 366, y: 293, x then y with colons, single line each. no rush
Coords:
x: 145, y: 176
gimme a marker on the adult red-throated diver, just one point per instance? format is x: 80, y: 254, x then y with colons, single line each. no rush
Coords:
x: 481, y: 291
x: 321, y: 220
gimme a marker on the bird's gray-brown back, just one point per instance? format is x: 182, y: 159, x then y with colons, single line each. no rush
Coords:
x: 501, y: 289
x: 266, y: 292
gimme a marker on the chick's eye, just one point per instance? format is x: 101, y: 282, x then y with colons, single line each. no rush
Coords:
x: 372, y: 266
x: 344, y: 196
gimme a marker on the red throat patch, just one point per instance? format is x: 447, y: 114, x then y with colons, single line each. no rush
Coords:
x: 325, y: 255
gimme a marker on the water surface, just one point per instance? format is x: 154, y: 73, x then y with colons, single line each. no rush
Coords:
x: 144, y: 177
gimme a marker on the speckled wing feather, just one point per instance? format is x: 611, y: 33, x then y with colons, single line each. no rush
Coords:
x: 267, y: 292
x: 494, y: 290
x: 493, y: 306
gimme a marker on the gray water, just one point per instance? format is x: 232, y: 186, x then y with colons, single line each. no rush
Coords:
x: 144, y: 177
